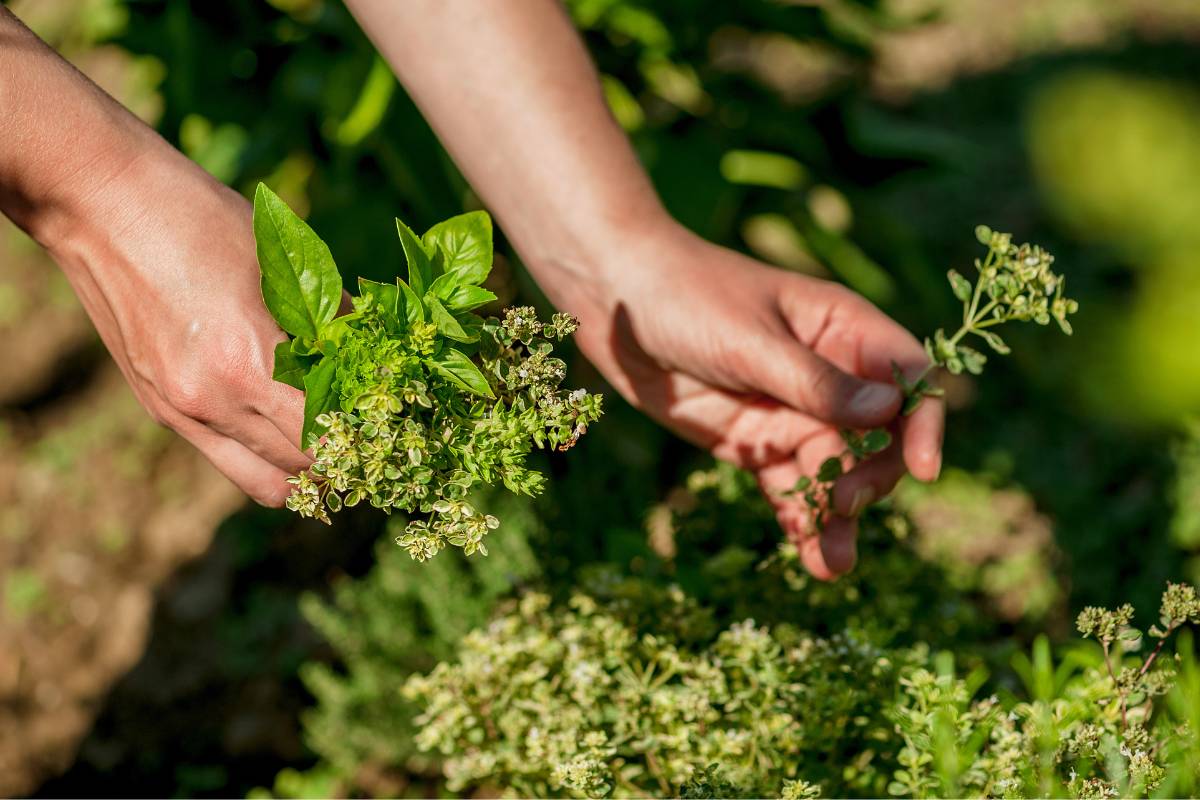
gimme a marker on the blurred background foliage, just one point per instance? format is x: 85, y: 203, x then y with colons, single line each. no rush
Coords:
x: 858, y: 140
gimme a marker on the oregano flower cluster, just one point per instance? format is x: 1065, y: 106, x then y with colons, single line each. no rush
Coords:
x: 412, y: 399
x: 1014, y: 283
x: 552, y: 700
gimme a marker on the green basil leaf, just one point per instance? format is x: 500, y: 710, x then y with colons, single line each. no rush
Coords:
x: 387, y: 299
x: 466, y: 298
x: 462, y: 372
x: 291, y: 367
x: 300, y: 282
x: 465, y: 242
x: 420, y: 271
x: 447, y: 325
x: 444, y: 286
x: 830, y: 469
x: 304, y: 346
x: 408, y: 304
x: 319, y: 397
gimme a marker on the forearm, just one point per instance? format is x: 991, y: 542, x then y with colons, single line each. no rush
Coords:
x: 61, y: 137
x: 512, y: 93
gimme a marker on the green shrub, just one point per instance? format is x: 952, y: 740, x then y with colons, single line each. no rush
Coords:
x: 573, y: 700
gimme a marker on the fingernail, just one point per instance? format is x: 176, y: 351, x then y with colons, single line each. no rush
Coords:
x: 862, y: 498
x: 872, y: 399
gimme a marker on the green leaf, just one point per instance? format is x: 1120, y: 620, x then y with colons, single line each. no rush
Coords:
x: 961, y: 286
x: 384, y: 294
x: 319, y: 397
x: 875, y: 441
x: 290, y: 368
x: 300, y: 282
x: 995, y: 342
x: 447, y: 325
x: 467, y: 298
x: 462, y: 372
x: 465, y: 242
x: 972, y: 359
x: 831, y: 469
x: 420, y: 271
x: 408, y: 304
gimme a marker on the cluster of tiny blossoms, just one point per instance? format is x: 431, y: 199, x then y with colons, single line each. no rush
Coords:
x: 550, y: 700
x: 1015, y: 283
x: 409, y: 438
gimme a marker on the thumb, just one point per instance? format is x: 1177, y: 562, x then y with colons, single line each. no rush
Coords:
x: 793, y: 374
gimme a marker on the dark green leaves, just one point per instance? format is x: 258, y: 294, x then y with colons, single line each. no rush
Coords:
x: 290, y: 367
x: 420, y: 271
x: 300, y: 283
x: 462, y: 372
x: 830, y: 469
x: 446, y: 323
x: 319, y: 397
x: 465, y: 244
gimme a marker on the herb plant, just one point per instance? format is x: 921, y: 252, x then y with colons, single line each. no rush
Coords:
x: 412, y: 398
x: 1014, y: 283
x: 572, y: 700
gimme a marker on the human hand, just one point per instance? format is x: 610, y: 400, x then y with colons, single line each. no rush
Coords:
x: 762, y: 367
x: 163, y: 259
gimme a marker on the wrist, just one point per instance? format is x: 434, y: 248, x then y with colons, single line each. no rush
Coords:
x: 593, y: 267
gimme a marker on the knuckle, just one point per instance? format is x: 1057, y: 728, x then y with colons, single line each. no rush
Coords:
x: 189, y: 396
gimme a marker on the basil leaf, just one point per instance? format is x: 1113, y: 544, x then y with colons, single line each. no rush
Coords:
x: 386, y: 297
x: 465, y: 242
x: 290, y: 367
x: 447, y: 325
x: 408, y: 304
x: 300, y: 283
x: 466, y: 298
x: 445, y: 285
x: 319, y: 397
x: 462, y: 372
x: 420, y: 271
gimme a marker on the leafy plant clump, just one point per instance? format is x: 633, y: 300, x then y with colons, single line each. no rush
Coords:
x: 1014, y: 283
x: 554, y: 700
x: 412, y: 398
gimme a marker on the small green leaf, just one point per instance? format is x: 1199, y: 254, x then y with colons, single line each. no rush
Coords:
x: 319, y: 397
x: 995, y: 342
x: 972, y: 359
x: 447, y: 325
x: 875, y: 441
x: 290, y: 367
x: 467, y: 298
x: 457, y: 368
x: 465, y: 242
x: 384, y: 295
x: 983, y: 234
x: 831, y: 469
x: 300, y: 282
x: 408, y: 304
x: 961, y: 286
x: 420, y: 271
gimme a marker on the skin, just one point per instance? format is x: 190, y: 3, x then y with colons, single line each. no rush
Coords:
x: 755, y: 364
